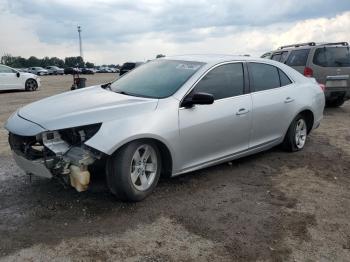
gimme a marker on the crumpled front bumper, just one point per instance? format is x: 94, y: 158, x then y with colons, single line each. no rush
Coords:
x: 36, y: 167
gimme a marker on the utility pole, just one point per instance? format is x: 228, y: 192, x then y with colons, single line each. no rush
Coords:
x: 80, y: 43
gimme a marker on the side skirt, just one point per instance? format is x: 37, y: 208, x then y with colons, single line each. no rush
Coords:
x: 250, y: 151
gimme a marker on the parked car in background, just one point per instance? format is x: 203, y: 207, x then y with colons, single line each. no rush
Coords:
x: 87, y: 71
x: 170, y: 116
x: 70, y: 71
x: 54, y: 70
x: 328, y: 63
x: 126, y: 67
x: 38, y: 71
x: 13, y: 79
x: 24, y: 70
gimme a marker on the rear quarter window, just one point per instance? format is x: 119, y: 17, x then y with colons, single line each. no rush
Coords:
x: 284, y: 78
x: 332, y: 57
x: 298, y: 57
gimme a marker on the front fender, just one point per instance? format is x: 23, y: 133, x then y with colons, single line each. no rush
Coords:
x: 114, y: 134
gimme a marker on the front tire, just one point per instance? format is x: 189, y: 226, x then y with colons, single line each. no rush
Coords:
x: 31, y: 85
x: 134, y: 170
x: 295, y: 138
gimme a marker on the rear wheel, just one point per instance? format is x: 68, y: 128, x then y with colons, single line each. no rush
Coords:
x: 31, y: 85
x: 295, y: 138
x: 134, y: 170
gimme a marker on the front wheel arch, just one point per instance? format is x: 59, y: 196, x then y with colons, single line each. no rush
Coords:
x: 166, y: 157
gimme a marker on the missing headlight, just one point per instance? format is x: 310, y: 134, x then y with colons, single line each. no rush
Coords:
x: 78, y: 135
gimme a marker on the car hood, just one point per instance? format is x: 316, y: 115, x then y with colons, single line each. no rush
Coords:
x: 83, y: 107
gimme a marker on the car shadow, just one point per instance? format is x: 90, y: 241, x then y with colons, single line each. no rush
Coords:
x: 12, y: 91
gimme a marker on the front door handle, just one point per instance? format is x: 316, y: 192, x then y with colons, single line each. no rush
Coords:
x: 242, y: 111
x: 288, y: 100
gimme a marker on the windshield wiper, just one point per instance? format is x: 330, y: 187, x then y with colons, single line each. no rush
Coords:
x: 106, y: 86
x: 124, y: 93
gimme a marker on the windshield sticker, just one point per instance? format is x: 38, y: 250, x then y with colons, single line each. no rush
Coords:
x: 187, y: 66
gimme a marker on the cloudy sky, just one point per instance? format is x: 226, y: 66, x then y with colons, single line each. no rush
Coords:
x: 121, y: 30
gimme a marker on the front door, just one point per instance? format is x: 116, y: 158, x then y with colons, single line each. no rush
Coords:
x: 8, y: 78
x: 211, y: 132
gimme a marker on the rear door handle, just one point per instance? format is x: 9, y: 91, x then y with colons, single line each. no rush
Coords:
x: 242, y: 111
x: 288, y: 100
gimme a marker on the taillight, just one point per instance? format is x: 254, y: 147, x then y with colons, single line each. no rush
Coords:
x: 323, y: 87
x: 308, y: 72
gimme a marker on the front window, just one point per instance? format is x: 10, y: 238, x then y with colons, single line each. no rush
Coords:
x: 223, y: 81
x: 332, y: 57
x: 156, y: 79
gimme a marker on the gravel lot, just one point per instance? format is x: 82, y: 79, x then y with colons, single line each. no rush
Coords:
x: 274, y: 206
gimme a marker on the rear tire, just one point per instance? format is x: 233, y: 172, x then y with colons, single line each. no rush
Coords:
x: 336, y: 103
x: 295, y: 138
x: 133, y: 171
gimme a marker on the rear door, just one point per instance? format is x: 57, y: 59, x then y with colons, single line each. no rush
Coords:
x: 273, y: 102
x: 211, y: 132
x: 298, y: 59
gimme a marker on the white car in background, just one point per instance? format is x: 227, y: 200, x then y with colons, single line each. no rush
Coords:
x: 54, y: 70
x: 38, y: 71
x: 13, y: 79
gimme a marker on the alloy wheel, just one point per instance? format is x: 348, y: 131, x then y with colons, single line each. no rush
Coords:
x: 300, y: 133
x: 143, y: 169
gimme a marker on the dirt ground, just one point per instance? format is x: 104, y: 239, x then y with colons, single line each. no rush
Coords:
x: 274, y: 206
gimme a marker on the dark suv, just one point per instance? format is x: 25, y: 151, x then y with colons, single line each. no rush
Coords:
x: 329, y: 63
x: 126, y: 67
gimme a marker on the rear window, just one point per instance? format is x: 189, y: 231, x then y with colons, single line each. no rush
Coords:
x: 332, y: 57
x: 298, y: 57
x: 263, y: 76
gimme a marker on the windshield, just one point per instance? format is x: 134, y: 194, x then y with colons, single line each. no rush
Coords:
x: 156, y: 79
x: 332, y: 57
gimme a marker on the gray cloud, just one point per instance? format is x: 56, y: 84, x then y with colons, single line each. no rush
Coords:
x: 123, y: 21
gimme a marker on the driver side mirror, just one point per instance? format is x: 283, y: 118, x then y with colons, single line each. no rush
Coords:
x: 18, y: 74
x: 198, y: 99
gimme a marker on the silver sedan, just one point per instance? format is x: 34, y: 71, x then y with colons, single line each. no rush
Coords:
x: 167, y: 117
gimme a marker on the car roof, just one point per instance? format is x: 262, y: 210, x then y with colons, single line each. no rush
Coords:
x: 310, y: 45
x: 212, y: 58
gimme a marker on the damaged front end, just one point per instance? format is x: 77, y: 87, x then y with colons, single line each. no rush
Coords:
x: 61, y: 154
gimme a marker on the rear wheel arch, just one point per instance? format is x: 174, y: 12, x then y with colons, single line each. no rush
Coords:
x: 26, y: 83
x: 309, y: 118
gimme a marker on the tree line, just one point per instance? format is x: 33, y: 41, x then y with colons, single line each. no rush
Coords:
x: 21, y: 62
